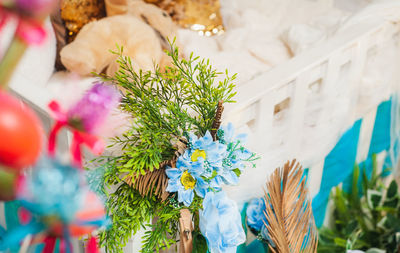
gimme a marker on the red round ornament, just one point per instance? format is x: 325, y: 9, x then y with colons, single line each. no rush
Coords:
x: 21, y: 133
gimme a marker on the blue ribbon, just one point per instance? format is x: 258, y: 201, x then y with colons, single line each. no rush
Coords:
x: 13, y: 237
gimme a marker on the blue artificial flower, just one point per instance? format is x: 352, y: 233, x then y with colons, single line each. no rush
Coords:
x: 221, y: 224
x: 186, y: 179
x: 208, y: 152
x: 264, y: 231
x: 226, y: 135
x: 255, y: 214
x: 233, y: 163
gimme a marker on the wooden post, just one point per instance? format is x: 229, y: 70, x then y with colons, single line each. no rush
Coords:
x: 186, y: 228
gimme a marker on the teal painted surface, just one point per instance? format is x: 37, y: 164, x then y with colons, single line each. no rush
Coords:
x: 338, y: 166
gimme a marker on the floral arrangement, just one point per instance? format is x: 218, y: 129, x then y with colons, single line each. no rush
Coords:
x: 174, y: 160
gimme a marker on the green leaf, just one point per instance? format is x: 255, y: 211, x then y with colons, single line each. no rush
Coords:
x: 392, y: 190
x: 354, y: 190
x: 340, y: 242
x: 374, y: 198
x: 351, y: 226
x: 237, y: 172
x: 199, y: 243
x: 340, y: 203
x: 391, y: 203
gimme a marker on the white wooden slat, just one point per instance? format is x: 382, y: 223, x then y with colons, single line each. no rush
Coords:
x: 366, y: 130
x: 314, y: 178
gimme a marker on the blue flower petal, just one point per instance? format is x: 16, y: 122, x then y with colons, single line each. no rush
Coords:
x: 220, y: 223
x: 193, y: 137
x: 173, y: 173
x: 196, y: 168
x: 242, y: 138
x: 230, y: 178
x: 207, y: 138
x: 243, y: 154
x: 255, y: 214
x: 201, y: 187
x: 173, y: 186
x: 186, y: 196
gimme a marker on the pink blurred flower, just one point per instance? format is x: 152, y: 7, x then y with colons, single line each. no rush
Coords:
x: 36, y: 8
x: 31, y: 32
x: 94, y: 107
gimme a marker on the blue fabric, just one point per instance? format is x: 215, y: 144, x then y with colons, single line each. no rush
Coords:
x: 380, y: 139
x: 319, y: 205
x: 337, y: 167
x: 256, y: 247
x: 13, y: 237
x: 339, y: 162
x: 2, y: 233
x: 12, y: 220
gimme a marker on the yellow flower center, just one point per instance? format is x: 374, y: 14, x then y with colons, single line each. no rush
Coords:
x: 188, y: 180
x: 198, y: 153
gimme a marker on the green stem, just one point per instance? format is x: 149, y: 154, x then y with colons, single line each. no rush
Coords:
x: 196, y: 220
x: 10, y: 61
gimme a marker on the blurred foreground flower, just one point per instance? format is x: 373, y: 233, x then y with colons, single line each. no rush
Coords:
x: 55, y: 203
x: 221, y: 224
x: 84, y: 118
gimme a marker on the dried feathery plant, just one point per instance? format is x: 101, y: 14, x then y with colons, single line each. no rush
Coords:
x: 290, y: 220
x: 153, y: 182
x: 156, y: 181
